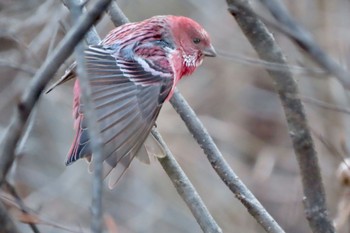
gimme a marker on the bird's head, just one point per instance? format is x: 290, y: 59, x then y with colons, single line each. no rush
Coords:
x: 192, y: 40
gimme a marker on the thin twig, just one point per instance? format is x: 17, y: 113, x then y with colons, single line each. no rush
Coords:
x: 6, y: 223
x: 214, y: 155
x: 304, y: 39
x: 38, y: 83
x: 27, y: 131
x: 267, y: 49
x: 117, y: 15
x: 21, y: 205
x: 241, y: 59
x: 185, y: 188
x: 52, y: 40
x: 96, y: 143
x: 19, y: 67
x: 322, y: 104
x: 31, y: 216
x: 91, y: 37
x: 41, y: 41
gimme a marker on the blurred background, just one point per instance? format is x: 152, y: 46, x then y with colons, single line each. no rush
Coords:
x: 235, y: 100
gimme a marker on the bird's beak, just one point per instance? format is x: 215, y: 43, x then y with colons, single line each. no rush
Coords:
x: 209, y: 51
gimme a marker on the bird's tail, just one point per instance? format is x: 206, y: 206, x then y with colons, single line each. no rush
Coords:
x: 68, y: 75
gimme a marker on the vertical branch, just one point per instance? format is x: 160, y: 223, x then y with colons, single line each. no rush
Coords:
x: 96, y: 143
x: 267, y: 49
x: 185, y: 189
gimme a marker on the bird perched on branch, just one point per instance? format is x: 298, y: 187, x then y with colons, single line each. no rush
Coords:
x: 131, y: 73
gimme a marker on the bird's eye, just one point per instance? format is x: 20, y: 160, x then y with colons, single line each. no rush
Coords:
x: 196, y: 40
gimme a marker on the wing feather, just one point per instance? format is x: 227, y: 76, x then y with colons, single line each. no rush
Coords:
x: 110, y: 90
x: 118, y: 97
x: 127, y: 98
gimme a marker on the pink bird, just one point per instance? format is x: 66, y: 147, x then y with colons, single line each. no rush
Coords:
x: 132, y: 72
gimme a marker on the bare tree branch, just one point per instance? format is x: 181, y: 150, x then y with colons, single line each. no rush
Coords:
x: 241, y: 59
x: 267, y: 49
x: 21, y: 205
x: 117, y: 15
x: 6, y: 223
x: 20, y: 67
x: 304, y: 39
x: 322, y: 104
x: 185, y: 189
x: 91, y: 37
x: 220, y: 165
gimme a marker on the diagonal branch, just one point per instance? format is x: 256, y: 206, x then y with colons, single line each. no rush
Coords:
x: 305, y: 41
x: 185, y: 189
x: 220, y: 165
x: 267, y: 49
x: 117, y: 15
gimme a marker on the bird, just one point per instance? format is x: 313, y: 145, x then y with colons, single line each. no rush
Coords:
x: 132, y: 72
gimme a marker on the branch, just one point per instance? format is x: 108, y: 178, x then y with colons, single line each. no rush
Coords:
x: 267, y: 49
x: 210, y: 149
x: 220, y: 165
x: 117, y: 15
x: 6, y: 223
x: 38, y: 83
x: 305, y: 41
x: 19, y: 67
x: 21, y: 205
x: 91, y: 37
x: 96, y: 143
x: 185, y: 189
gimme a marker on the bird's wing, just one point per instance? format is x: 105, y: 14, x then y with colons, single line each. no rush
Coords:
x: 127, y: 96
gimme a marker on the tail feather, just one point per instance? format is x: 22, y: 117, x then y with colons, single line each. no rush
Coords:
x: 81, y: 144
x: 68, y: 75
x: 117, y: 172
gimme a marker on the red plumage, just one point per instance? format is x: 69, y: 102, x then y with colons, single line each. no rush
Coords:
x: 131, y: 73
